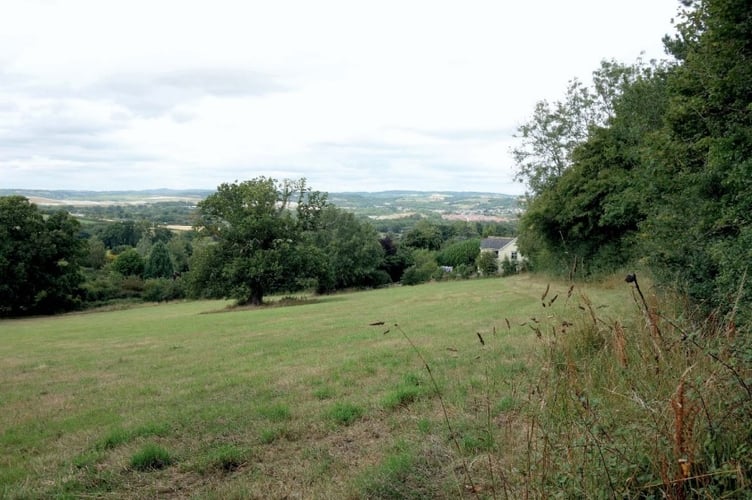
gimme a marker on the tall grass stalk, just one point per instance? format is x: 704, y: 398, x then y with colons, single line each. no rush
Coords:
x: 629, y: 408
x: 447, y: 422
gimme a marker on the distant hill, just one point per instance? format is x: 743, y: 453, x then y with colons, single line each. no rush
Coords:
x: 73, y: 197
x: 452, y: 205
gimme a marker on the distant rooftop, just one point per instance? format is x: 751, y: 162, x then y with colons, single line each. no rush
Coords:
x: 495, y: 242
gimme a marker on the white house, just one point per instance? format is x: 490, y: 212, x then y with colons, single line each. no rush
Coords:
x: 501, y: 248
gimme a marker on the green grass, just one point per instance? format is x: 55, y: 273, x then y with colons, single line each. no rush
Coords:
x: 151, y: 457
x: 345, y: 413
x: 242, y: 397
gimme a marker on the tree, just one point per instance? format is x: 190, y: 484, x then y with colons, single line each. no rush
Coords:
x: 549, y: 138
x: 459, y: 253
x: 423, y: 268
x: 588, y: 219
x: 159, y: 263
x: 129, y: 263
x: 39, y: 259
x: 96, y: 253
x: 258, y: 228
x: 126, y: 233
x: 699, y: 234
x: 396, y: 258
x: 181, y: 248
x: 423, y: 235
x: 349, y: 250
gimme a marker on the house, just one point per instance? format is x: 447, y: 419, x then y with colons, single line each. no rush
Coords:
x: 501, y: 248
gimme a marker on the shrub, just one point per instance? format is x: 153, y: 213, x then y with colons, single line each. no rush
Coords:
x: 422, y: 270
x: 129, y: 263
x: 487, y: 264
x: 508, y: 267
x: 162, y: 289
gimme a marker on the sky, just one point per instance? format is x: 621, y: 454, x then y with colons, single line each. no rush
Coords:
x: 352, y: 95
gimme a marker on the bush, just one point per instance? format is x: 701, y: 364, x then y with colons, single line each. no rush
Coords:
x: 102, y: 287
x: 162, y: 289
x: 487, y: 264
x: 129, y: 263
x: 459, y: 253
x: 422, y: 270
x: 508, y: 267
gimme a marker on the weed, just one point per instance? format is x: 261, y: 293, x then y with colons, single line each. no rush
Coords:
x: 325, y: 392
x: 345, y: 413
x: 222, y: 458
x: 424, y: 426
x: 275, y: 413
x: 115, y: 438
x: 322, y: 460
x: 151, y: 457
x: 477, y: 441
x: 268, y: 436
x: 402, y: 396
x: 87, y: 459
x: 615, y: 397
x: 119, y: 436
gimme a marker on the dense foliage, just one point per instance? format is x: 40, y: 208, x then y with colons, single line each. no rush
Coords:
x: 258, y: 228
x: 251, y: 238
x: 664, y: 177
x: 39, y: 259
x: 347, y: 250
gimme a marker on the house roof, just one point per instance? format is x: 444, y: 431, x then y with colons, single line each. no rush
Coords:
x: 495, y: 243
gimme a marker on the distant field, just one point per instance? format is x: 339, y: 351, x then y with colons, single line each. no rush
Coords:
x: 386, y: 205
x: 302, y: 400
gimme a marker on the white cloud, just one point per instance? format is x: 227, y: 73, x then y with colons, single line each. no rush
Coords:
x: 352, y: 95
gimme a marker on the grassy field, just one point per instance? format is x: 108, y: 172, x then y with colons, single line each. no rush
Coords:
x: 301, y: 399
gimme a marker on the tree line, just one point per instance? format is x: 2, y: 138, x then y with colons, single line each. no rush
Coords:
x: 651, y: 165
x: 250, y: 239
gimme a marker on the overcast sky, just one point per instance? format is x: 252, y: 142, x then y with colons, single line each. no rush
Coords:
x: 352, y: 95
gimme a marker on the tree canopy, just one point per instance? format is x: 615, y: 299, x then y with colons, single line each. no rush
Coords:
x: 666, y: 180
x: 39, y: 259
x: 257, y: 227
x: 348, y: 251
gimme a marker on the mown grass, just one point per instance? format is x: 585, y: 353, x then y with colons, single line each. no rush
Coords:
x: 321, y: 399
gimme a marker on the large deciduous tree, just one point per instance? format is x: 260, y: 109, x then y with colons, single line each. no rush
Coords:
x: 587, y: 220
x: 349, y: 251
x: 39, y: 259
x: 700, y: 233
x: 547, y: 141
x: 666, y: 179
x: 257, y: 226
